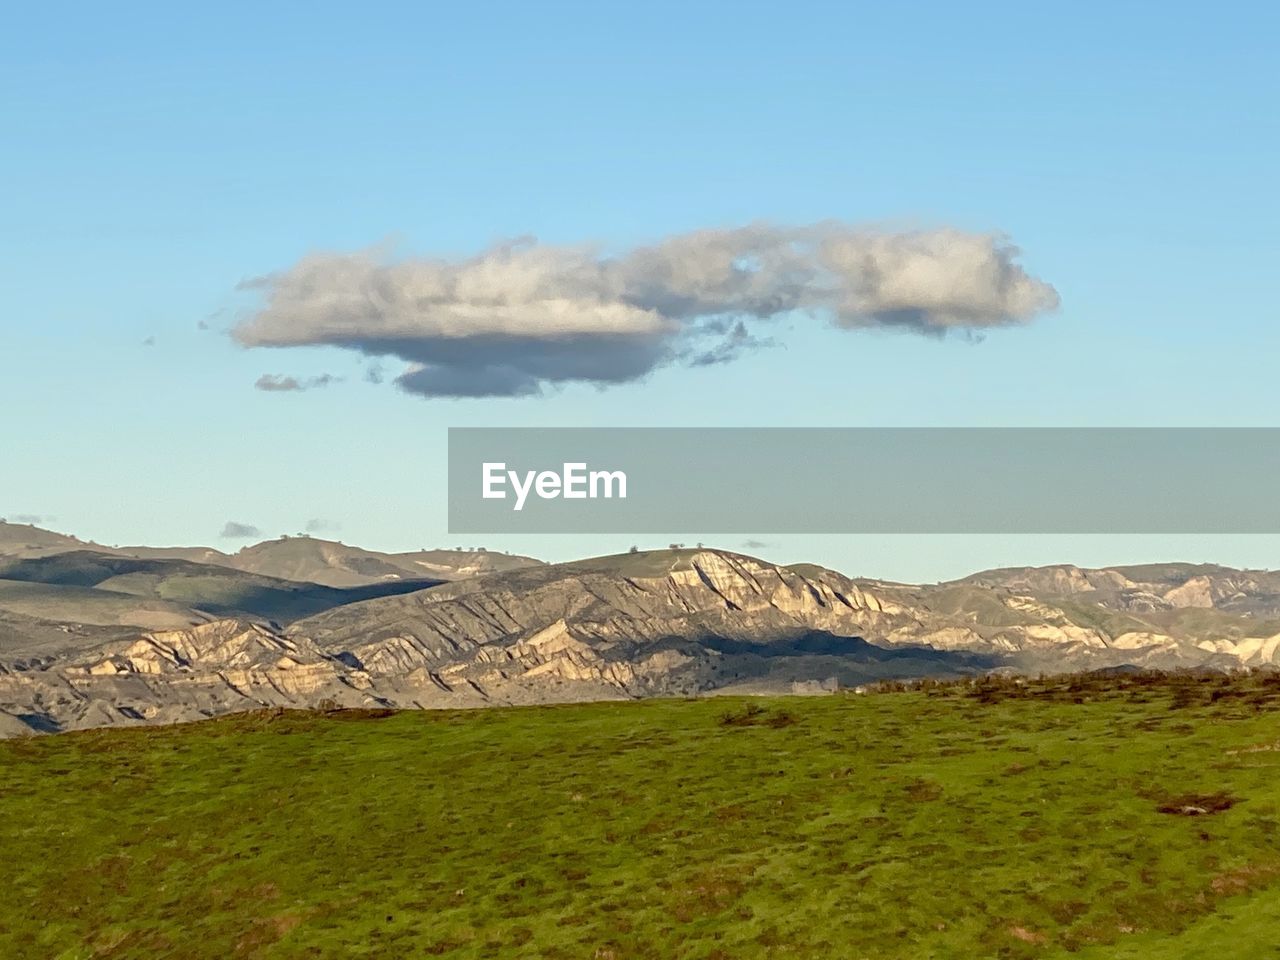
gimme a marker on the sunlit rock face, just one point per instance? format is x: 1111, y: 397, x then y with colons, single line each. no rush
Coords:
x: 662, y: 623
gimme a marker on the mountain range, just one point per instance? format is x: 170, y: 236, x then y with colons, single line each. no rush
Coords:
x: 93, y: 635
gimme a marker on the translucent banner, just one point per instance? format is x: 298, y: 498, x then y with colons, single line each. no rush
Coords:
x: 864, y: 480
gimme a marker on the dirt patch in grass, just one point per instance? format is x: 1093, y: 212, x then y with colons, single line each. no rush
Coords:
x: 265, y: 932
x: 1198, y: 804
x: 709, y: 893
x: 923, y: 791
x: 1027, y: 936
x: 1244, y: 879
x: 754, y: 715
x: 731, y: 812
x: 360, y: 713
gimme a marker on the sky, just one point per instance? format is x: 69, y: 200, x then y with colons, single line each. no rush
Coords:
x: 179, y: 184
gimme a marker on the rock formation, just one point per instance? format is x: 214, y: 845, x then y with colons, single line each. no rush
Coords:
x: 665, y: 623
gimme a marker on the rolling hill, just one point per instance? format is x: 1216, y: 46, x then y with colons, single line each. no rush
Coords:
x: 339, y: 565
x: 80, y: 576
x: 301, y: 558
x: 1082, y: 818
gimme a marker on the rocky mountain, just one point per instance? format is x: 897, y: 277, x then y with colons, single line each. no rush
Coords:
x: 1150, y: 588
x: 672, y: 622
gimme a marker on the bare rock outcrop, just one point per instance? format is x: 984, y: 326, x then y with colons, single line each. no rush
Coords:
x: 678, y: 622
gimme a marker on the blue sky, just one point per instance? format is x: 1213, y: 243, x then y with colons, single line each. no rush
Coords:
x: 156, y: 157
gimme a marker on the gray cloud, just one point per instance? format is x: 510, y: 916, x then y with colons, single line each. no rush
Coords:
x: 30, y: 518
x: 320, y: 525
x: 754, y: 545
x: 239, y: 531
x: 735, y: 341
x: 523, y: 316
x: 278, y: 383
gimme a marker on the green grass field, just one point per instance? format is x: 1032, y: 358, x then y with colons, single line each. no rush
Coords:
x: 933, y: 824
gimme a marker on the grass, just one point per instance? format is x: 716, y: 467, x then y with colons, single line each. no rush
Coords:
x: 1125, y: 818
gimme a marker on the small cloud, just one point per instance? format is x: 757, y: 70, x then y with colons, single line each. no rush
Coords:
x: 278, y: 383
x: 754, y: 545
x: 319, y: 525
x: 208, y: 321
x: 374, y: 373
x: 735, y: 342
x: 30, y: 518
x: 239, y: 531
x: 149, y: 342
x: 273, y: 382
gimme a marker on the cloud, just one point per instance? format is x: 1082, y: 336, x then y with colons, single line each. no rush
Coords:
x: 30, y: 518
x: 149, y: 342
x: 278, y: 383
x: 522, y: 316
x: 239, y: 531
x: 754, y: 545
x: 735, y: 342
x: 319, y: 525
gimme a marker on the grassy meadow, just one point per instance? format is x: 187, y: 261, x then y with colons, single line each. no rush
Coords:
x: 1121, y: 818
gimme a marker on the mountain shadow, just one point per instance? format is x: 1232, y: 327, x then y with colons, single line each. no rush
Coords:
x: 216, y: 590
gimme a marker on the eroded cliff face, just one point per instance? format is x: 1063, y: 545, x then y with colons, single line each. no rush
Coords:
x: 706, y: 592
x: 671, y: 623
x: 175, y: 675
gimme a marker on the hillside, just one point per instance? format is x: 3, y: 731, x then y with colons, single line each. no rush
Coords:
x: 23, y: 540
x: 301, y: 558
x: 340, y: 565
x: 1083, y: 818
x: 26, y: 639
x: 82, y: 587
x: 87, y: 606
x: 110, y: 639
x: 741, y: 605
x: 1150, y: 588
